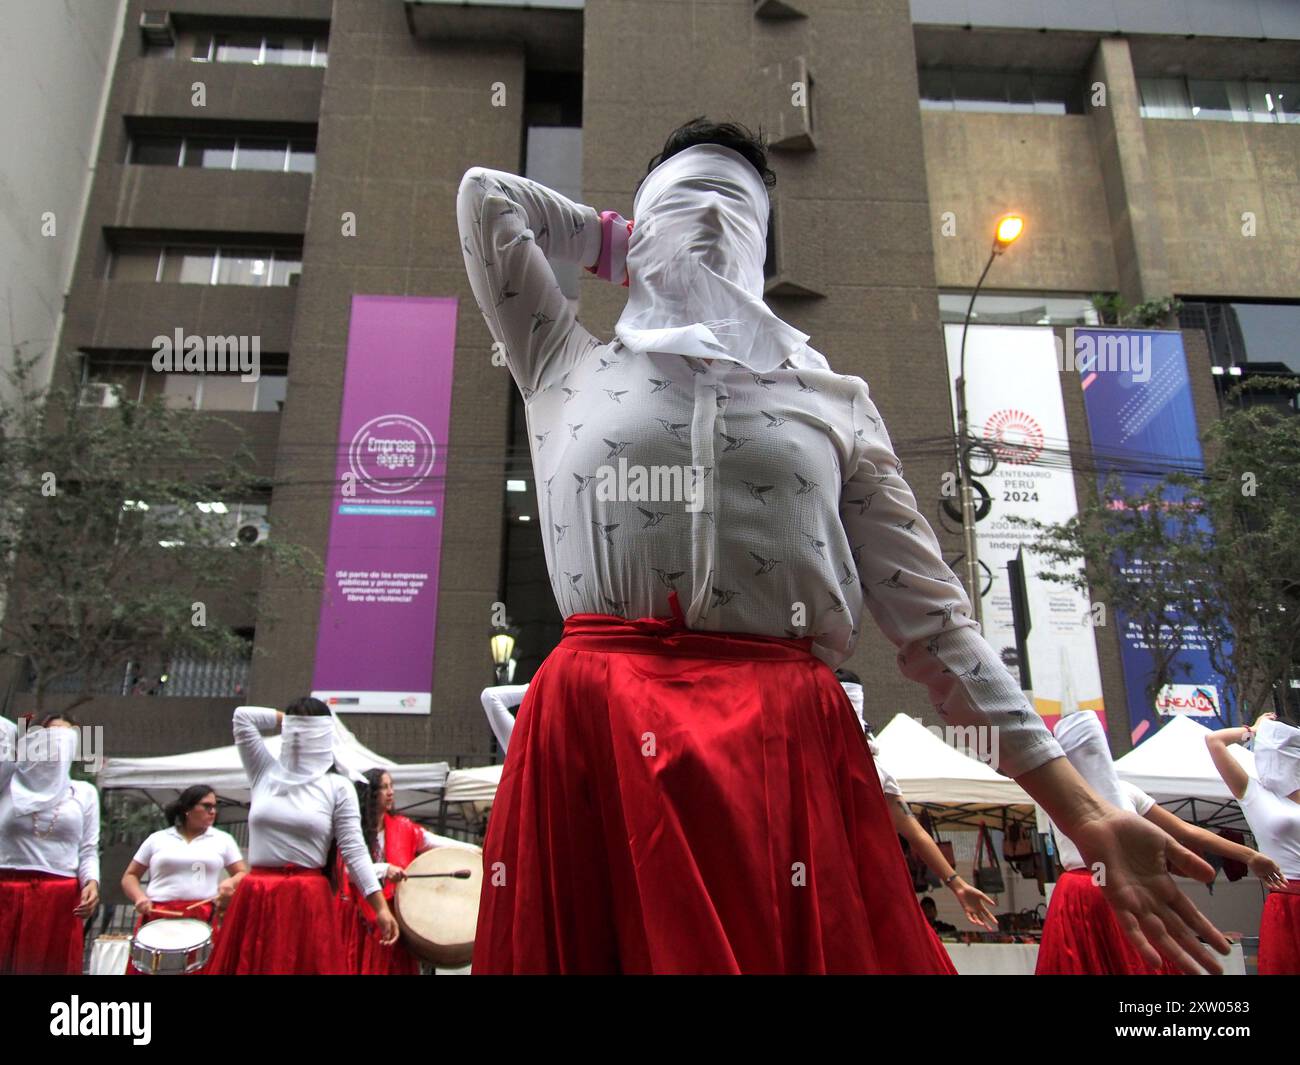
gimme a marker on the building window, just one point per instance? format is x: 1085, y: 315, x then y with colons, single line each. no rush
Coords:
x: 1220, y: 101
x: 277, y: 49
x: 1247, y: 337
x: 110, y: 379
x: 258, y: 267
x: 1021, y: 308
x: 284, y: 154
x: 1013, y: 92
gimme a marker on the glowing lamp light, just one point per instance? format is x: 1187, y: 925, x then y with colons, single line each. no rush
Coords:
x: 1010, y: 228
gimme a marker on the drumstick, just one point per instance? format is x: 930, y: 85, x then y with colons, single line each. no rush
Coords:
x: 459, y: 874
x: 204, y: 902
x: 157, y: 912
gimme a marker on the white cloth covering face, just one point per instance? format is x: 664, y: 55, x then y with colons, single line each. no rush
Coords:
x: 695, y: 262
x: 1277, y: 757
x: 306, y: 752
x: 41, y: 777
x: 788, y: 489
x: 68, y: 840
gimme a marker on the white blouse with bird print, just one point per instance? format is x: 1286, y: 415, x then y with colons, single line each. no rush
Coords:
x: 772, y: 503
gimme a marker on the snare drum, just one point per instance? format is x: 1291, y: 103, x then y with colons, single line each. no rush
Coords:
x: 438, y: 915
x: 172, y: 947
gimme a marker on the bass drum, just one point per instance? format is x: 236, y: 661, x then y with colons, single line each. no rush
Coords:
x: 438, y: 914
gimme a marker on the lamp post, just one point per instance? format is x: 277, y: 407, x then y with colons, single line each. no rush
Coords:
x: 503, y: 649
x: 1008, y: 231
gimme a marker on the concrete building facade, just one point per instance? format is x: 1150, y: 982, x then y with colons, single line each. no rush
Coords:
x: 912, y: 118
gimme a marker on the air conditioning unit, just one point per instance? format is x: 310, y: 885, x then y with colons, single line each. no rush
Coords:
x: 156, y: 26
x: 252, y: 532
x: 99, y: 394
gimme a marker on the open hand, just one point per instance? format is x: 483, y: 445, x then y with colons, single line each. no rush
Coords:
x: 976, y: 904
x: 1131, y: 861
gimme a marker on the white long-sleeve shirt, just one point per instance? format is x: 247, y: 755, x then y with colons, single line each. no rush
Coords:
x: 296, y: 828
x: 68, y: 840
x: 496, y: 704
x: 1275, y: 823
x: 789, y: 512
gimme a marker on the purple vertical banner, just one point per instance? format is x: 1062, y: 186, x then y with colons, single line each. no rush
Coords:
x: 374, y: 647
x: 1138, y: 399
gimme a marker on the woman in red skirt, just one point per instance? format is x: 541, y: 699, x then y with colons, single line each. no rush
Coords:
x: 1081, y: 935
x: 1271, y: 806
x: 393, y: 842
x: 49, y: 849
x: 193, y: 867
x: 686, y: 788
x: 284, y: 918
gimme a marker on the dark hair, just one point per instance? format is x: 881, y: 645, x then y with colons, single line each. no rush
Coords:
x: 847, y: 676
x: 307, y: 707
x: 368, y: 798
x: 177, y: 811
x: 700, y: 130
x: 930, y: 900
x: 45, y: 720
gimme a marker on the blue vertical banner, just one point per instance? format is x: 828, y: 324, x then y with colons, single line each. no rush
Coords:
x: 1138, y: 400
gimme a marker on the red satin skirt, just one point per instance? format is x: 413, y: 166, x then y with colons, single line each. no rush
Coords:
x: 283, y: 921
x: 205, y: 912
x: 365, y: 955
x: 676, y: 801
x: 39, y: 933
x: 1081, y: 936
x: 1279, y: 933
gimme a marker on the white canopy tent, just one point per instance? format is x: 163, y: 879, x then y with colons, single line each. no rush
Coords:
x: 1174, y: 767
x: 419, y: 787
x: 932, y: 773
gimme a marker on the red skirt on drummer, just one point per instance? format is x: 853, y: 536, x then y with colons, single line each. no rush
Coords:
x: 676, y: 801
x: 283, y: 921
x: 1279, y: 933
x: 39, y: 933
x: 1082, y: 938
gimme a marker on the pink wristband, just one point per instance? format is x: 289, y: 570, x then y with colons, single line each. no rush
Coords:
x: 615, y: 231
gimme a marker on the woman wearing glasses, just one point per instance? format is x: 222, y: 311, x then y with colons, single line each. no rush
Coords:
x: 194, y: 868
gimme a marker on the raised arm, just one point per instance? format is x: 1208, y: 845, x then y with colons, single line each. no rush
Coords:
x: 511, y: 229
x: 249, y: 724
x: 1234, y: 776
x: 496, y: 704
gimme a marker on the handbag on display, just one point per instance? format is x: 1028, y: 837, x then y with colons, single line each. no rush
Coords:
x: 945, y: 847
x: 989, y: 878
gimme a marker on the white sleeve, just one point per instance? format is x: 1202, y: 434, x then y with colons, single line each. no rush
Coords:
x: 887, y: 782
x: 8, y: 751
x: 428, y: 842
x: 922, y: 608
x: 510, y: 229
x: 1142, y: 802
x: 88, y: 850
x: 145, y: 854
x: 249, y: 724
x: 351, y: 841
x: 496, y: 704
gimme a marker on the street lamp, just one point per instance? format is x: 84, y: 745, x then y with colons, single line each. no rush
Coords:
x: 503, y: 649
x: 1007, y: 232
